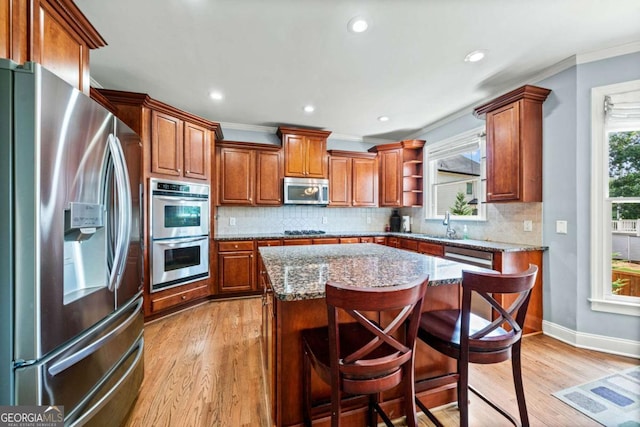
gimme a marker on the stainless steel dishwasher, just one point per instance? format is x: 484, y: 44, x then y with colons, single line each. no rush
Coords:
x: 480, y: 259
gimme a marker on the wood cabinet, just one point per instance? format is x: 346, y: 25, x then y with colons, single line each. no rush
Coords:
x: 236, y: 267
x: 261, y: 273
x: 53, y: 33
x: 175, y: 297
x: 305, y: 152
x: 353, y: 179
x: 178, y: 145
x: 401, y: 173
x: 433, y: 249
x: 514, y: 145
x: 325, y: 241
x: 179, y: 148
x: 249, y: 174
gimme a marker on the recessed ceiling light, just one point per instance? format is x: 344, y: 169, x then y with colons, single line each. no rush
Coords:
x: 357, y: 24
x: 475, y: 56
x: 383, y: 118
x: 215, y: 95
x: 309, y: 108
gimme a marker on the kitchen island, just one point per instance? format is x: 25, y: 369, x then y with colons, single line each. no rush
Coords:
x: 294, y: 277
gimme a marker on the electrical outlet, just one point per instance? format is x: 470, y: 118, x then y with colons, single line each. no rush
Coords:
x: 368, y: 220
x: 232, y: 221
x: 561, y: 227
x: 324, y: 220
x: 527, y: 225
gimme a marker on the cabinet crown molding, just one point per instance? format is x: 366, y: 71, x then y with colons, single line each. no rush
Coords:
x: 248, y: 145
x: 284, y: 130
x: 144, y: 100
x: 529, y: 92
x: 407, y: 143
x: 76, y: 19
x: 359, y: 154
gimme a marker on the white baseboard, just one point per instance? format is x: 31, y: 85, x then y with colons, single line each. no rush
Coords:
x: 601, y: 343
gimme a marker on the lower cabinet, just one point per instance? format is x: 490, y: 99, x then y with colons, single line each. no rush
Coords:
x: 175, y: 297
x: 236, y: 267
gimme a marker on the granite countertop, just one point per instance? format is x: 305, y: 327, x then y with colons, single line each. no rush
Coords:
x: 485, y: 245
x: 300, y: 272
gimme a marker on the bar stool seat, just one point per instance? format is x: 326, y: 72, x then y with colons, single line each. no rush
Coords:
x: 469, y: 338
x: 365, y: 357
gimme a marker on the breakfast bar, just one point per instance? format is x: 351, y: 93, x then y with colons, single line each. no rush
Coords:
x: 294, y: 278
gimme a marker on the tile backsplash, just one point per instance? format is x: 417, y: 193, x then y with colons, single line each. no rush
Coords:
x: 504, y: 221
x: 278, y: 219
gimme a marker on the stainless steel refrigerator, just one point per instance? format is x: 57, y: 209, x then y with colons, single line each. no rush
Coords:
x: 71, y: 324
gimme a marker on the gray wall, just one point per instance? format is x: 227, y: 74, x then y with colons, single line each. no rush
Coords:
x: 567, y: 176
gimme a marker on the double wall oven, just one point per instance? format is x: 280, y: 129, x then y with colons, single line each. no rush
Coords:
x: 179, y: 233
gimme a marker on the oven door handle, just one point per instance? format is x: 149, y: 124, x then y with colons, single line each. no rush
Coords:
x: 180, y: 199
x: 178, y: 242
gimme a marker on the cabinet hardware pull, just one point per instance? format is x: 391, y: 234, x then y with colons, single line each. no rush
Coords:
x: 183, y: 297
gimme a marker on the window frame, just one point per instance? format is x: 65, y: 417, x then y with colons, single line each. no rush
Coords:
x: 446, y: 148
x: 602, y: 298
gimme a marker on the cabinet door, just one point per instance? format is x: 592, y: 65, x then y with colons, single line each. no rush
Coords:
x: 295, y: 153
x: 236, y: 176
x: 166, y: 144
x: 196, y: 151
x: 268, y: 178
x: 14, y: 15
x: 433, y: 249
x: 503, y: 153
x: 390, y: 177
x: 58, y: 47
x: 364, y: 182
x: 316, y: 157
x: 339, y: 181
x: 236, y: 271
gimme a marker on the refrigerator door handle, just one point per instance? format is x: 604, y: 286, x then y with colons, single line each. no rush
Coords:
x: 76, y: 357
x: 124, y: 212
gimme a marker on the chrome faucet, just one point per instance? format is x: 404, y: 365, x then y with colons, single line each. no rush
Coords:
x: 447, y: 221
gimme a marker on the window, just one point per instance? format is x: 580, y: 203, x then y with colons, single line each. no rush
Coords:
x: 455, y: 176
x: 615, y: 251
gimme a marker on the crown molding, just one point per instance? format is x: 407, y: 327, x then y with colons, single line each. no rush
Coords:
x: 611, y: 52
x: 250, y: 128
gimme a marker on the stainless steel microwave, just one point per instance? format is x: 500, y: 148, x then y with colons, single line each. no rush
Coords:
x: 306, y: 191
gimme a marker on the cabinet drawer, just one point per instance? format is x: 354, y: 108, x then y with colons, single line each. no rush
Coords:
x: 162, y: 303
x: 412, y: 245
x: 366, y: 240
x: 243, y: 245
x: 326, y: 241
x: 431, y: 249
x: 349, y: 240
x: 291, y: 242
x: 260, y: 243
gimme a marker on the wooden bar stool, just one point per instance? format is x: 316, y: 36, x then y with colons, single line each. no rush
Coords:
x: 468, y: 338
x: 361, y: 357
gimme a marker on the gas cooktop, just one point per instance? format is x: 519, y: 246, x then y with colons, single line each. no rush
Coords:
x: 302, y: 232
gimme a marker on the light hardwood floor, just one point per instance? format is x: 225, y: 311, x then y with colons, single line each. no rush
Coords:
x: 203, y: 367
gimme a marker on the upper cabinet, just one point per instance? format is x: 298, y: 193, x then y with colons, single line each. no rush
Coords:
x: 353, y: 179
x: 249, y: 174
x: 53, y: 33
x: 401, y: 168
x: 179, y: 143
x: 305, y: 152
x: 514, y: 145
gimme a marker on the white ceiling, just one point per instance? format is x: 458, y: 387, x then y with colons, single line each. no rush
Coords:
x: 271, y: 57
